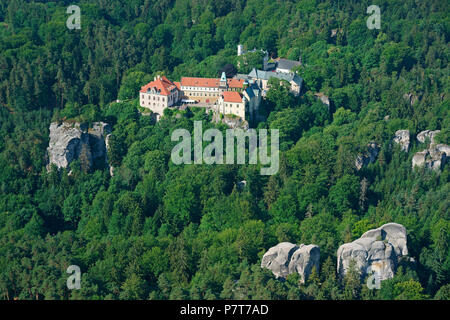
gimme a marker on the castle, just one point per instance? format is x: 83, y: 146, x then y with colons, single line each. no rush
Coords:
x: 239, y: 96
x: 226, y: 96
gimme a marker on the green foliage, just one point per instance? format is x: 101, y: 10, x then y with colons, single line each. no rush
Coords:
x: 408, y: 290
x: 156, y: 230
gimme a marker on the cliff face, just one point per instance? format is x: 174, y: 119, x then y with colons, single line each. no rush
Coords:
x: 72, y: 141
x: 402, y: 137
x: 435, y: 156
x: 378, y: 250
x: 286, y: 258
x: 363, y: 160
x: 231, y: 122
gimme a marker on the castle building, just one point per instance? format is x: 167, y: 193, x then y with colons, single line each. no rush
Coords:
x: 226, y: 96
x: 158, y: 95
x: 286, y: 66
x: 232, y: 102
x: 262, y: 77
x: 208, y: 90
x: 244, y: 105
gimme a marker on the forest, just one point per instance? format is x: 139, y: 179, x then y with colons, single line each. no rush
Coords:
x: 156, y: 230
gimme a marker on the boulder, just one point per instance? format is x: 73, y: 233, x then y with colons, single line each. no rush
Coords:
x: 241, y: 185
x: 72, y: 141
x: 66, y: 143
x: 443, y: 148
x: 410, y: 98
x: 323, y: 98
x: 419, y: 158
x: 286, y: 258
x: 304, y: 259
x: 423, y: 136
x: 378, y: 250
x: 362, y: 160
x: 401, y: 137
x: 433, y: 158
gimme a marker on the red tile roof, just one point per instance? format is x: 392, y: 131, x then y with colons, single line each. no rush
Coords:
x: 210, y: 82
x: 236, y: 83
x: 178, y: 84
x: 162, y: 84
x: 232, y: 96
x: 199, y: 82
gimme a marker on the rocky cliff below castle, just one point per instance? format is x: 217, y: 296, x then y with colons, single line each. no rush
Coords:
x: 75, y: 141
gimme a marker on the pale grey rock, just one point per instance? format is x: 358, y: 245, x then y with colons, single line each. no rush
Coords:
x: 303, y: 260
x: 97, y: 140
x: 323, y: 98
x: 241, y: 185
x: 378, y: 250
x: 395, y: 234
x: 66, y: 142
x: 410, y: 98
x: 231, y: 122
x: 402, y: 137
x: 433, y: 158
x: 362, y: 160
x: 443, y: 148
x: 423, y: 136
x: 419, y: 158
x: 277, y: 259
x: 72, y: 141
x: 286, y: 258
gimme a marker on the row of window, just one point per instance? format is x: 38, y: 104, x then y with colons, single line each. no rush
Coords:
x: 200, y: 88
x: 154, y: 98
x: 154, y: 104
x: 157, y: 98
x: 200, y: 94
x: 230, y: 105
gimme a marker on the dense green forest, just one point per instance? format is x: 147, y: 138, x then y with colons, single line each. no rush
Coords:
x: 156, y: 230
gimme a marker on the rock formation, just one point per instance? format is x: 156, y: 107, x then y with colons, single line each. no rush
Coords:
x: 401, y: 137
x: 231, y: 122
x: 423, y: 136
x: 435, y: 156
x: 286, y: 258
x: 323, y: 98
x: 378, y: 250
x: 98, y: 135
x: 370, y: 156
x: 72, y: 141
x: 410, y: 98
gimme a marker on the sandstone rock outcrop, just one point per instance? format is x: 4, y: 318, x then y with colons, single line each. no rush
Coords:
x: 423, y: 136
x: 98, y: 135
x: 402, y: 138
x: 370, y: 156
x: 378, y: 250
x: 231, y: 122
x: 72, y: 141
x: 286, y: 258
x: 433, y: 158
x: 410, y: 98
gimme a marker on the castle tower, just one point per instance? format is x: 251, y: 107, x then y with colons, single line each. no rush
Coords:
x: 223, y: 80
x: 240, y: 50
